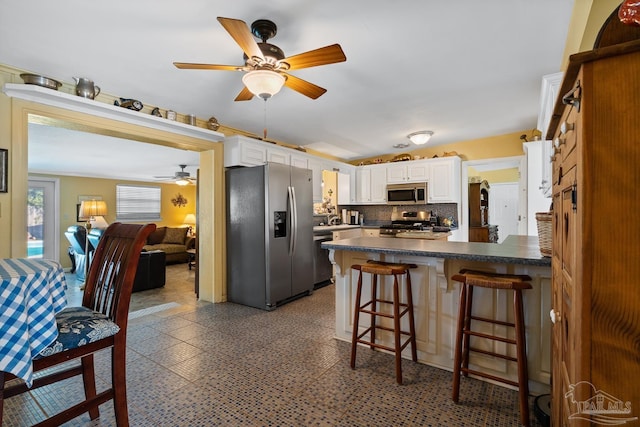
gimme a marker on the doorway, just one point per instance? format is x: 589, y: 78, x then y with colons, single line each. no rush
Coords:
x: 43, y: 229
x: 517, y: 198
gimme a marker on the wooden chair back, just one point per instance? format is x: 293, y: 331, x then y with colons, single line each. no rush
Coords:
x: 109, y: 283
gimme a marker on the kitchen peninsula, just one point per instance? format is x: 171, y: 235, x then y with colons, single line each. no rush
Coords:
x: 435, y: 296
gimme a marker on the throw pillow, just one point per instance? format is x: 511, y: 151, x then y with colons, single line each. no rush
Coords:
x: 157, y: 236
x: 175, y: 235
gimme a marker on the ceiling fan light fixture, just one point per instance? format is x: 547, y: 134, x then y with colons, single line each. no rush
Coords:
x: 420, y: 137
x: 263, y: 83
x: 182, y: 182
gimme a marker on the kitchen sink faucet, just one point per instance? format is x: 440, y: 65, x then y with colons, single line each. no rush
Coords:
x: 332, y: 219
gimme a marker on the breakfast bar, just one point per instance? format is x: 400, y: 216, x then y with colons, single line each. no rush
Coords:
x: 435, y: 296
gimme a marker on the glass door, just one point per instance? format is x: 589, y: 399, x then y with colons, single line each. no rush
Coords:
x: 42, y: 219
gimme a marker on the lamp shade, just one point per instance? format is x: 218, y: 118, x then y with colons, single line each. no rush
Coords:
x: 182, y: 182
x: 420, y: 137
x: 189, y: 219
x: 263, y: 83
x: 93, y: 208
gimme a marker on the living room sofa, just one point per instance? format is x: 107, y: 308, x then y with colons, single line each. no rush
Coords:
x: 173, y: 241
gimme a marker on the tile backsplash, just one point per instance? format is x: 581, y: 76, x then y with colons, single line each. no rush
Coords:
x: 380, y: 214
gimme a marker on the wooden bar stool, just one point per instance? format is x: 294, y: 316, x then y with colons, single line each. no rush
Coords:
x: 372, y: 307
x: 517, y: 283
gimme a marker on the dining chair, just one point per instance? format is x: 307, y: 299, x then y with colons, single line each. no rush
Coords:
x: 102, y: 321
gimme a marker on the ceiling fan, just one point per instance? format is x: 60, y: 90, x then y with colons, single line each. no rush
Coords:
x: 181, y: 177
x: 266, y: 67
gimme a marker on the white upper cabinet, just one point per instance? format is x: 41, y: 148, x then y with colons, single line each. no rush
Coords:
x: 275, y: 155
x: 371, y: 182
x: 240, y: 151
x: 410, y: 171
x: 299, y: 161
x: 363, y: 185
x: 378, y: 184
x: 548, y: 96
x: 316, y: 175
x: 444, y: 180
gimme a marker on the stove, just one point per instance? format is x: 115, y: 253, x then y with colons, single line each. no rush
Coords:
x: 405, y: 221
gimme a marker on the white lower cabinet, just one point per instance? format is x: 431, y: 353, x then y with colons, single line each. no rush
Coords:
x: 435, y: 300
x: 370, y: 232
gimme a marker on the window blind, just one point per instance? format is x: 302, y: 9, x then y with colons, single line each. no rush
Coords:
x: 137, y: 203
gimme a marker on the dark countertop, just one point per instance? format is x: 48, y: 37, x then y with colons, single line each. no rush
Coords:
x: 514, y: 249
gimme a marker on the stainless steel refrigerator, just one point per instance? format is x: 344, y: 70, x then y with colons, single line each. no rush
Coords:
x: 269, y: 234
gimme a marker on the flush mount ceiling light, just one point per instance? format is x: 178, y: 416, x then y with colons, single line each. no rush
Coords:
x: 420, y: 137
x: 263, y: 83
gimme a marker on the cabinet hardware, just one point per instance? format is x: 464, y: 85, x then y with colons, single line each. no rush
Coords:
x: 566, y: 127
x: 555, y: 316
x: 574, y: 197
x: 573, y: 97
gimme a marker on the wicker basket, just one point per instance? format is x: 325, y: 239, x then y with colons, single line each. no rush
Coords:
x: 544, y: 232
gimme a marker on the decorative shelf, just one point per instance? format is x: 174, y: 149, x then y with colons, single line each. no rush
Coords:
x: 100, y: 109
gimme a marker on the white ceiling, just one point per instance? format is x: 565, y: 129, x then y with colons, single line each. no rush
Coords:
x: 466, y: 69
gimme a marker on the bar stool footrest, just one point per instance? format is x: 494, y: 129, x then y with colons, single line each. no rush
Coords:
x: 490, y: 337
x: 489, y: 376
x: 493, y: 353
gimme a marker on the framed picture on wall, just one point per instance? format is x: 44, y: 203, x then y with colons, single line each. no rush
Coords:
x: 4, y: 170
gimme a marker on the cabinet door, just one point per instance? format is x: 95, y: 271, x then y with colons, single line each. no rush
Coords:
x: 299, y: 162
x: 379, y: 184
x: 396, y: 173
x: 252, y: 155
x: 316, y: 177
x: 363, y: 185
x: 444, y: 181
x: 371, y: 232
x: 417, y: 171
x: 278, y: 156
x: 344, y: 189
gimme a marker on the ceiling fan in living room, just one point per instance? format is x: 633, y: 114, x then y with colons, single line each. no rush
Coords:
x: 265, y: 65
x: 181, y: 177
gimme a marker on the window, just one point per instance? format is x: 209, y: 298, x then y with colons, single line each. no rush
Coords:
x: 137, y: 203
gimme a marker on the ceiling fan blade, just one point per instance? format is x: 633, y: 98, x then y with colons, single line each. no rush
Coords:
x: 244, y: 95
x: 190, y: 66
x: 242, y: 35
x: 303, y: 86
x: 313, y: 58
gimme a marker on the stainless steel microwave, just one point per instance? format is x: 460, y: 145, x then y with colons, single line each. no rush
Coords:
x: 407, y: 194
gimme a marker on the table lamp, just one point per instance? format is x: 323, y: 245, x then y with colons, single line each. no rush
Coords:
x: 190, y: 220
x: 90, y: 209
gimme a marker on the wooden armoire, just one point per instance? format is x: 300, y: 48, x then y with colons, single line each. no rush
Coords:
x: 479, y: 228
x: 595, y: 130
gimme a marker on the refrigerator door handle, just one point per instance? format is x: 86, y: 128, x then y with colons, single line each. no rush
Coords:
x: 294, y: 220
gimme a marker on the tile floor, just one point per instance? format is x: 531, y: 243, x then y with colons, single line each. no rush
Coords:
x: 202, y: 364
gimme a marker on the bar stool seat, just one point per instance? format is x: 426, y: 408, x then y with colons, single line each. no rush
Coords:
x: 373, y: 307
x: 517, y: 283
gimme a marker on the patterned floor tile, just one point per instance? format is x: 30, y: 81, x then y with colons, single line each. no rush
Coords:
x: 231, y: 365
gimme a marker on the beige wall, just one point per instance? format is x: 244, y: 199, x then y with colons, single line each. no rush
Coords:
x: 507, y: 145
x: 496, y: 176
x: 72, y: 187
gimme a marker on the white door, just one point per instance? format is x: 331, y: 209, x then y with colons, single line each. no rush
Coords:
x: 503, y: 208
x: 43, y: 229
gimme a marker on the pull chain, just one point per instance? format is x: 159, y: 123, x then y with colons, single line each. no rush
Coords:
x: 264, y: 130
